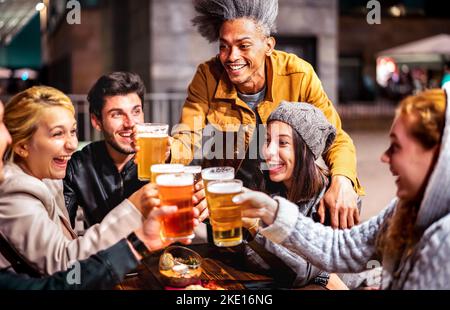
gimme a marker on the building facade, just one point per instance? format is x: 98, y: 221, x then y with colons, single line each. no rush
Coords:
x: 155, y: 38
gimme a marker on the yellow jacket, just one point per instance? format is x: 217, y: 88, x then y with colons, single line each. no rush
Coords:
x: 212, y: 100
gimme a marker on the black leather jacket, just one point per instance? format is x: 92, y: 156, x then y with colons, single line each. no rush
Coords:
x: 100, y: 271
x: 93, y: 182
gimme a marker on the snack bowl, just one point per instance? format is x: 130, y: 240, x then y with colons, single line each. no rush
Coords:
x: 180, y: 266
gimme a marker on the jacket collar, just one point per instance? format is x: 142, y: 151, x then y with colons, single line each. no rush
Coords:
x: 48, y: 191
x: 107, y: 162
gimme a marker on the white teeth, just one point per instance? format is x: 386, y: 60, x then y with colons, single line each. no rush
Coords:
x: 65, y: 158
x: 271, y: 165
x: 236, y: 67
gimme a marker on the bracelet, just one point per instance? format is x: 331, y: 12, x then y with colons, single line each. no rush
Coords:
x: 138, y: 245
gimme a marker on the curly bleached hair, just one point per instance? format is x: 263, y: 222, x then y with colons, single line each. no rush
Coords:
x: 212, y: 13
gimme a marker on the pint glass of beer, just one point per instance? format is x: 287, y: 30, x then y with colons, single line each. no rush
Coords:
x: 177, y: 190
x: 225, y: 216
x: 165, y: 169
x: 152, y: 138
x: 216, y: 174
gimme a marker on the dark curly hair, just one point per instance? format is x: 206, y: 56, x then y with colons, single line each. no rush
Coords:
x: 114, y: 84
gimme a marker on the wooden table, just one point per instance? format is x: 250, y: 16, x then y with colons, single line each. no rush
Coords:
x: 225, y: 266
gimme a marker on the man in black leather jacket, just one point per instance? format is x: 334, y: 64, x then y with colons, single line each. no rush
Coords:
x: 103, y: 173
x: 101, y: 271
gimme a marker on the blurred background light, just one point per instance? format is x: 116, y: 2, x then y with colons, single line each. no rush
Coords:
x: 386, y: 67
x: 40, y: 6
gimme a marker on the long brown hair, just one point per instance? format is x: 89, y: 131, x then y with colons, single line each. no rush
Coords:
x: 425, y: 113
x: 308, y: 179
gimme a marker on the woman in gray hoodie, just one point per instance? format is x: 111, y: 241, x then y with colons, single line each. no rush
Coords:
x: 411, y: 237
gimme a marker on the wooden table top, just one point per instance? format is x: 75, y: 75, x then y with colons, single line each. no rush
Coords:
x: 226, y: 267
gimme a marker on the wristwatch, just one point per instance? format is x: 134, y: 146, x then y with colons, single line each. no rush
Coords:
x: 322, y: 279
x: 138, y: 245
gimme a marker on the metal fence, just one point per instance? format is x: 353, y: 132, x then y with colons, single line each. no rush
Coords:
x: 158, y: 108
x: 166, y: 108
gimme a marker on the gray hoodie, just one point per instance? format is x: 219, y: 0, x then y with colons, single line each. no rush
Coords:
x: 354, y: 250
x: 304, y: 270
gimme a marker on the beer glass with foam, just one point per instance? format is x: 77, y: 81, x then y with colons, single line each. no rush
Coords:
x: 177, y: 190
x: 152, y: 139
x: 216, y: 174
x: 225, y: 216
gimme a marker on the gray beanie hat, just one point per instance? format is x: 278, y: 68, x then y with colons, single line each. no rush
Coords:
x: 309, y: 122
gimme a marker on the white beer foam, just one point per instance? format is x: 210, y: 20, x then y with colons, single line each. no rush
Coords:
x: 183, y: 179
x: 151, y: 135
x: 225, y: 188
x: 165, y: 168
x: 218, y: 173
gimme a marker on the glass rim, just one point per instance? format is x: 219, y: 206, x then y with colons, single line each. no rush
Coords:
x: 152, y: 124
x: 179, y: 168
x: 235, y: 181
x: 155, y: 128
x: 226, y: 169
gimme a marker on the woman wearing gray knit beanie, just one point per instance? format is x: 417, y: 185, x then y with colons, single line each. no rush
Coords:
x: 297, y: 135
x: 410, y: 238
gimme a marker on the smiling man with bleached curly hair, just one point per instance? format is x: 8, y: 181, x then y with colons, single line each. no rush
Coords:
x: 238, y: 89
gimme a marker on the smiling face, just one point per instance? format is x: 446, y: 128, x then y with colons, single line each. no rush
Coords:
x: 46, y: 154
x: 5, y: 140
x: 408, y: 160
x: 119, y: 115
x: 243, y: 50
x: 279, y: 152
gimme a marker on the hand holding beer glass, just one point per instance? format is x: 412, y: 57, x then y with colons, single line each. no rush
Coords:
x: 199, y: 191
x: 177, y: 190
x: 152, y: 140
x: 225, y: 215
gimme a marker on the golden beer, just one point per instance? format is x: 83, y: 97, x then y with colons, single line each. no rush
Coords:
x: 165, y: 169
x: 177, y: 190
x: 225, y: 216
x: 152, y: 140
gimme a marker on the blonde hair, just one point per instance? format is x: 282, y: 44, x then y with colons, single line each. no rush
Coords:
x: 425, y: 115
x: 23, y: 111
